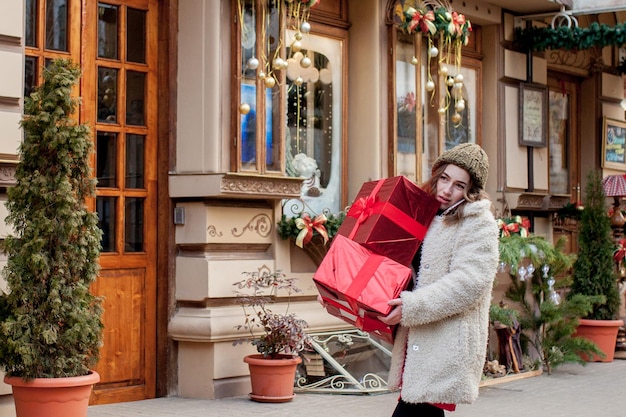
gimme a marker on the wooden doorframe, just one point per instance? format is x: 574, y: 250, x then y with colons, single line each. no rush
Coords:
x: 166, y: 354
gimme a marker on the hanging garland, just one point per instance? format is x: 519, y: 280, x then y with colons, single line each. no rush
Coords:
x: 539, y: 39
x: 446, y: 32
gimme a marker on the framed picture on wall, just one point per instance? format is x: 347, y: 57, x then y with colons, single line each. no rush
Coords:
x: 613, y: 144
x: 533, y: 115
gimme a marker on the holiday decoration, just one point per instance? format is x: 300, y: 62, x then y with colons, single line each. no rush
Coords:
x: 295, y: 11
x: 539, y: 39
x: 516, y: 225
x: 450, y: 31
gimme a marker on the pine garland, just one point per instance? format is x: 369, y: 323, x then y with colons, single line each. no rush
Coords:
x: 539, y: 39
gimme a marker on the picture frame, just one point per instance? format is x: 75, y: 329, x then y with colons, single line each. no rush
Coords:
x: 533, y: 115
x: 613, y: 144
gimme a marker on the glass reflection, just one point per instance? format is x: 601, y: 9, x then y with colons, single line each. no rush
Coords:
x: 30, y: 23
x: 105, y: 207
x: 135, y: 161
x: 135, y: 93
x: 106, y: 156
x: 56, y: 25
x: 133, y: 224
x: 107, y: 95
x: 30, y: 74
x: 107, y: 30
x: 136, y: 35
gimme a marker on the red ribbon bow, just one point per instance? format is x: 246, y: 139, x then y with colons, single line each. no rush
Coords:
x: 306, y: 226
x: 362, y: 208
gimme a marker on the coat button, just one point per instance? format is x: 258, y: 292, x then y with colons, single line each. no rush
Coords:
x: 426, y: 266
x: 416, y: 347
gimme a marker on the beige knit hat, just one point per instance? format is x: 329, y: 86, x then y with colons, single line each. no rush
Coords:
x: 471, y: 158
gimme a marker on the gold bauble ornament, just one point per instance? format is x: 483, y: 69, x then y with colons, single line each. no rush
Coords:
x: 430, y: 85
x: 458, y: 86
x: 253, y: 63
x: 459, y: 78
x: 244, y: 108
x: 456, y: 118
x: 270, y: 82
x: 296, y: 46
x: 261, y: 75
x: 305, y: 62
x: 443, y: 70
x: 441, y: 111
x: 433, y: 52
x: 460, y: 105
x: 298, y: 81
x: 414, y: 61
x: 298, y: 36
x: 449, y: 81
x: 305, y: 27
x: 279, y: 64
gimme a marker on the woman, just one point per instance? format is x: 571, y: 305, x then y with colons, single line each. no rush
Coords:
x: 441, y: 341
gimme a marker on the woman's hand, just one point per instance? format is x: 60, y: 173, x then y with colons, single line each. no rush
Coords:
x: 395, y: 316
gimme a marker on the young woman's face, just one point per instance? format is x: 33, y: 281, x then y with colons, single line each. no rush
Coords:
x: 452, y: 185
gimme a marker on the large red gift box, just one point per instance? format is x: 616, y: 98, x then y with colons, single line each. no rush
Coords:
x: 356, y: 284
x: 390, y: 217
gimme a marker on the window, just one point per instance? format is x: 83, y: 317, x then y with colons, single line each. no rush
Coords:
x: 288, y: 120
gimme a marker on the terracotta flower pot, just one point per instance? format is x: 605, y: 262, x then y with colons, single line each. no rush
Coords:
x: 272, y: 379
x: 52, y: 397
x: 603, y: 333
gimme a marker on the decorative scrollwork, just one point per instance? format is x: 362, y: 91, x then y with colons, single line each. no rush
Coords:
x: 212, y: 230
x: 369, y: 383
x: 261, y: 224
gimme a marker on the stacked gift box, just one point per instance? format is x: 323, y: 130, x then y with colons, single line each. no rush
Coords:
x: 369, y: 261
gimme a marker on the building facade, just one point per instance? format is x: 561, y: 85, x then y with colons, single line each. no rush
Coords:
x: 213, y: 118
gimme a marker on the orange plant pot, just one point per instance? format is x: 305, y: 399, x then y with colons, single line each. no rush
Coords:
x: 272, y: 379
x: 52, y: 397
x: 601, y: 332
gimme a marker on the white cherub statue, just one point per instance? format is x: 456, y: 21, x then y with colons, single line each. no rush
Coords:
x: 306, y: 167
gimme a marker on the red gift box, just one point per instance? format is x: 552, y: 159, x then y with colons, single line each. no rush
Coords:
x: 390, y: 217
x: 356, y: 285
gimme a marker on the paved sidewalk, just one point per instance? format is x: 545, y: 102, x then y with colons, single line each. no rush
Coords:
x: 594, y: 390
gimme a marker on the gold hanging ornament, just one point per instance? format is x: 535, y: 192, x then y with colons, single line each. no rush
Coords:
x: 436, y: 21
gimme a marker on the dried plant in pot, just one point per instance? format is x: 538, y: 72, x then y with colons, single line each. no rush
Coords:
x: 278, y: 337
x: 50, y: 323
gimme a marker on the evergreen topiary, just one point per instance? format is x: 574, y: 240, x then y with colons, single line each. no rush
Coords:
x: 594, y: 271
x: 50, y: 324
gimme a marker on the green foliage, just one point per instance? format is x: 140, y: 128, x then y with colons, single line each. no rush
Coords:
x: 547, y: 326
x: 280, y: 332
x: 599, y: 35
x: 594, y: 270
x: 50, y: 322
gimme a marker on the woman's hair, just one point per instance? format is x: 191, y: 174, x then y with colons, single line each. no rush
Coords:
x: 472, y: 193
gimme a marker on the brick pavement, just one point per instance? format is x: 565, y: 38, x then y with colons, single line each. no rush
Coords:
x: 598, y: 389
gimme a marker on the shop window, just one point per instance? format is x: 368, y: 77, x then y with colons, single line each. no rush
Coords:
x: 434, y: 95
x: 288, y: 119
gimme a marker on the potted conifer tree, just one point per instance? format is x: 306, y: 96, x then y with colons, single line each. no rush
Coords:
x: 594, y: 271
x: 50, y: 323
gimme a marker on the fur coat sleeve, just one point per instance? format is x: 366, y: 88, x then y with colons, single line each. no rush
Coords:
x: 441, y: 344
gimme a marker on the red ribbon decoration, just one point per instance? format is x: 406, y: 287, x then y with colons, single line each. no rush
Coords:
x: 307, y: 226
x: 365, y: 207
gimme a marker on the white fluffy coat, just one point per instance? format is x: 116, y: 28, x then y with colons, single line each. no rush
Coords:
x: 445, y: 319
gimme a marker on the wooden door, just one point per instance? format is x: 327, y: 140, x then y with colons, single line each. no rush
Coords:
x: 118, y: 90
x: 115, y: 43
